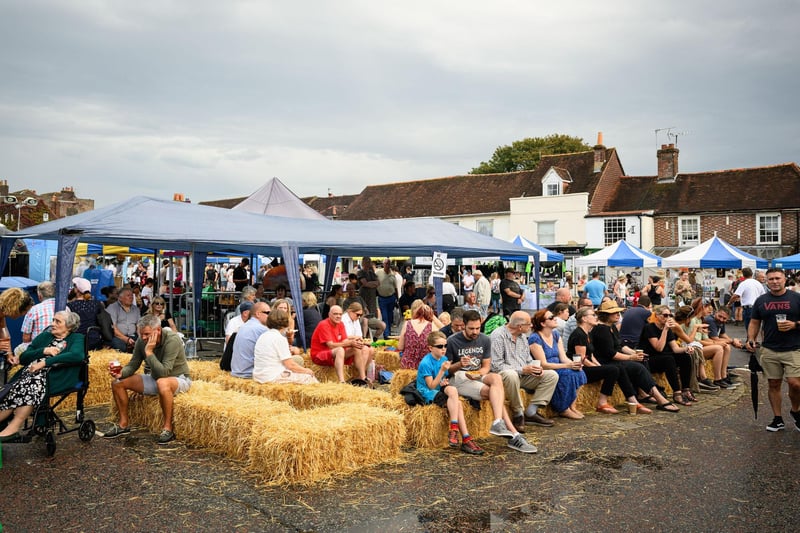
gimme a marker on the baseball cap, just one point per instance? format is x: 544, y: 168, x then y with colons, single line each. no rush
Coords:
x: 82, y: 284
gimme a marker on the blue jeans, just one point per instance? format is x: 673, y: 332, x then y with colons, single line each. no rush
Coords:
x: 387, y: 305
x: 747, y: 312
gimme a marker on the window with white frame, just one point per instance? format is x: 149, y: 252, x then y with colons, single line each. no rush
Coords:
x: 769, y: 228
x: 485, y: 227
x: 546, y: 232
x: 551, y: 185
x: 613, y: 230
x: 688, y: 231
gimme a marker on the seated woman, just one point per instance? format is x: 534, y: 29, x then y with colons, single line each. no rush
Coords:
x: 434, y: 387
x: 718, y: 351
x: 687, y: 333
x: 580, y: 344
x: 159, y: 309
x: 14, y: 303
x: 664, y: 355
x: 334, y: 297
x: 545, y: 345
x: 273, y: 362
x: 311, y: 315
x: 608, y: 350
x: 413, y: 335
x: 285, y: 305
x: 92, y: 313
x: 59, y: 345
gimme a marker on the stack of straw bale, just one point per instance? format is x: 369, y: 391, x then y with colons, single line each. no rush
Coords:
x: 390, y: 360
x: 320, y: 443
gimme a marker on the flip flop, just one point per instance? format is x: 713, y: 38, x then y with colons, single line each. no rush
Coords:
x: 648, y: 399
x: 606, y: 409
x: 665, y: 407
x: 643, y: 410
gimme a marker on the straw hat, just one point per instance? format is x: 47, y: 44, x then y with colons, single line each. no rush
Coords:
x: 610, y: 306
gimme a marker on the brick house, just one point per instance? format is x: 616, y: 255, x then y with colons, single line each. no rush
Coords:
x: 49, y: 206
x: 755, y: 209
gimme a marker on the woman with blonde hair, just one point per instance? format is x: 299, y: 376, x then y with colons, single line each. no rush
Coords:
x: 14, y: 303
x: 159, y: 309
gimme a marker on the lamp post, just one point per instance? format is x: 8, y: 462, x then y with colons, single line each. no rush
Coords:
x: 19, y: 204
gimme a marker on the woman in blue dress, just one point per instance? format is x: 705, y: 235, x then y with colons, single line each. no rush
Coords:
x: 546, y: 346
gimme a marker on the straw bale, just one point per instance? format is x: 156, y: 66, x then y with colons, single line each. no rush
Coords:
x: 390, y: 360
x: 310, y: 396
x: 320, y: 443
x: 210, y: 417
x: 205, y: 370
x: 427, y: 426
x: 402, y: 378
x: 327, y: 374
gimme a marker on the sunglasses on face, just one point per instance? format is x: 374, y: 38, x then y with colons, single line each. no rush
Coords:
x: 667, y: 315
x: 440, y: 346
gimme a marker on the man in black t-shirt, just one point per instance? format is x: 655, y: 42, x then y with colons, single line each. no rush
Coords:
x: 511, y: 293
x: 777, y: 314
x: 241, y: 276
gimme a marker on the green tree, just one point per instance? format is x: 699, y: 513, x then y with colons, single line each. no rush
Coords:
x: 525, y: 154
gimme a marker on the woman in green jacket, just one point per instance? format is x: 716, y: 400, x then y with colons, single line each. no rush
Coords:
x: 59, y: 345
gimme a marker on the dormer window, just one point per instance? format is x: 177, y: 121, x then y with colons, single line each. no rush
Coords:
x: 553, y: 182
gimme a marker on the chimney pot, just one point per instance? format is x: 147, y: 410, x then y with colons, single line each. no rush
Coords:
x: 599, y: 137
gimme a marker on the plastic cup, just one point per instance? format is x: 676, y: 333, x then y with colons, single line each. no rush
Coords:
x: 780, y: 317
x: 115, y: 366
x: 536, y: 362
x: 632, y: 408
x: 576, y: 358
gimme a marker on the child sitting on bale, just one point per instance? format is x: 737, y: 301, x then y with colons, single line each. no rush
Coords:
x: 433, y: 386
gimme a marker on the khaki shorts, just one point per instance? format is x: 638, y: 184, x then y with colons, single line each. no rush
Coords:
x: 468, y: 388
x: 779, y: 365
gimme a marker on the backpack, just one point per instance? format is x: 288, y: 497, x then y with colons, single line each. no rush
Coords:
x: 412, y: 395
x: 227, y: 355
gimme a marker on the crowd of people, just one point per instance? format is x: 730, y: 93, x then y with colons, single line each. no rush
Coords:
x: 550, y: 354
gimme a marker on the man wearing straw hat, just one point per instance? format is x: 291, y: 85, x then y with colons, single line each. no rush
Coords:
x: 166, y: 374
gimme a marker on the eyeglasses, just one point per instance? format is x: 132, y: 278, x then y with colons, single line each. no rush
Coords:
x: 440, y: 346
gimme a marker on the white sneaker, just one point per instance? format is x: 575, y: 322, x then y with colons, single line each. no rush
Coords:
x: 519, y: 444
x: 499, y: 429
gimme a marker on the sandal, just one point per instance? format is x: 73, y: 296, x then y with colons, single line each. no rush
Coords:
x: 666, y: 407
x: 680, y: 400
x: 689, y: 396
x: 641, y: 409
x: 606, y: 409
x: 647, y: 399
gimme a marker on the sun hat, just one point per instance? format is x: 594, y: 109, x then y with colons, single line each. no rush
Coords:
x: 610, y: 306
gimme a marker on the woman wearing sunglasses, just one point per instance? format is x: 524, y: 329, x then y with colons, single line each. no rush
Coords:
x: 664, y: 355
x: 159, y: 309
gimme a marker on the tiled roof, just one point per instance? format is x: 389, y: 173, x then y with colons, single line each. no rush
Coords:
x: 227, y: 203
x: 331, y: 206
x: 762, y: 188
x: 471, y: 193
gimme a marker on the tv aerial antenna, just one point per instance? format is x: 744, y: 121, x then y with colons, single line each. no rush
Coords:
x: 672, y: 135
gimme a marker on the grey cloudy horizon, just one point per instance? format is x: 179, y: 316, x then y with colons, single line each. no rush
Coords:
x: 211, y: 99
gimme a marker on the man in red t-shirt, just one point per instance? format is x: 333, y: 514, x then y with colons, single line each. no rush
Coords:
x: 330, y: 346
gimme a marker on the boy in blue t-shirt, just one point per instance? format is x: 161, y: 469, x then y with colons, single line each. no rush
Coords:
x: 433, y: 386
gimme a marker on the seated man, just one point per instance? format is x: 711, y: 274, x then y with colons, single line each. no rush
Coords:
x: 456, y: 324
x: 40, y: 316
x: 162, y: 352
x: 373, y: 323
x: 512, y: 359
x: 239, y: 320
x: 331, y: 346
x: 124, y: 317
x: 471, y: 304
x: 408, y: 297
x: 244, y: 344
x: 470, y: 355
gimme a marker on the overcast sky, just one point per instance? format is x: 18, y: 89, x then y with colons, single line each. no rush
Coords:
x: 212, y: 98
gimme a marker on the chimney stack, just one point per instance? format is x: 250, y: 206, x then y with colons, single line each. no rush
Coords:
x: 667, y: 162
x: 3, y: 187
x: 599, y: 153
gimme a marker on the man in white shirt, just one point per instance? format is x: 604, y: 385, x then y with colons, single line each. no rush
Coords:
x: 483, y: 291
x: 746, y: 293
x: 236, y: 322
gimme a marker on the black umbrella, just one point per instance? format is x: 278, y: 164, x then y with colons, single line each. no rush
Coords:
x: 755, y: 368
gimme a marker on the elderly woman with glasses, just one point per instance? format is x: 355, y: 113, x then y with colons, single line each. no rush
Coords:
x: 664, y: 355
x: 159, y: 309
x: 58, y: 345
x: 546, y: 346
